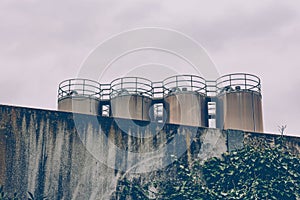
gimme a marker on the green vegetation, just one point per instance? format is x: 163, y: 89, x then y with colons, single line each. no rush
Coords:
x: 257, y: 171
x: 4, y: 195
x: 16, y: 196
x: 254, y: 172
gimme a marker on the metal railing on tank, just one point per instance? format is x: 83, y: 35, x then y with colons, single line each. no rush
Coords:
x: 79, y: 88
x: 184, y: 83
x: 131, y: 86
x: 238, y: 82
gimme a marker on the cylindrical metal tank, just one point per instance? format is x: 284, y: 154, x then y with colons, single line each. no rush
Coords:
x: 239, y: 102
x: 185, y: 100
x: 131, y: 98
x: 131, y: 107
x: 79, y: 96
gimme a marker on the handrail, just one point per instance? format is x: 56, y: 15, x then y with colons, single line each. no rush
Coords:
x: 131, y: 85
x: 79, y: 88
x: 184, y: 83
x: 238, y: 82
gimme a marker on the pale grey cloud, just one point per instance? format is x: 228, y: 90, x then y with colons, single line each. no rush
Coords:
x: 44, y: 42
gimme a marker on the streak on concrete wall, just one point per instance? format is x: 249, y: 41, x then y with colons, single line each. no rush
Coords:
x: 2, y: 155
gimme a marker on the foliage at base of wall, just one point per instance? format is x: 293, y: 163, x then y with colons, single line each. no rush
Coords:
x: 5, y: 196
x: 258, y: 171
x: 16, y: 196
x: 254, y: 172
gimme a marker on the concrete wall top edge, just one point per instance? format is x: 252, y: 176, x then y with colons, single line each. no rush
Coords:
x: 67, y: 114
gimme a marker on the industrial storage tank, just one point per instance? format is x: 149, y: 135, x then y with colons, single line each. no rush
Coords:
x: 239, y: 102
x: 185, y: 100
x: 131, y: 98
x: 79, y: 96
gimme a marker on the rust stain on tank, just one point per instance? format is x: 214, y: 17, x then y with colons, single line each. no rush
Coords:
x: 240, y: 110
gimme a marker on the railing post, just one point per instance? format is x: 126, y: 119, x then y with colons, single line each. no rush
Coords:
x: 245, y: 81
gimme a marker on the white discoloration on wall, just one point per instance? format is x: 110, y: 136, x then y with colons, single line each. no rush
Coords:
x: 213, y: 144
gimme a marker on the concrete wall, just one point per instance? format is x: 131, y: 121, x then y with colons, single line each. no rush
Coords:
x: 66, y: 156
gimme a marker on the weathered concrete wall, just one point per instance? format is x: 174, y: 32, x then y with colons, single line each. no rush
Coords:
x: 46, y: 153
x: 291, y: 143
x: 50, y: 154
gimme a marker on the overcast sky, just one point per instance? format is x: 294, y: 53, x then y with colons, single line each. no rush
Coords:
x: 45, y: 42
